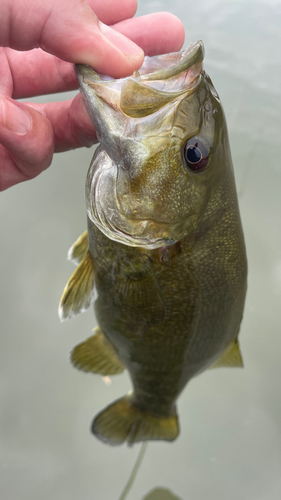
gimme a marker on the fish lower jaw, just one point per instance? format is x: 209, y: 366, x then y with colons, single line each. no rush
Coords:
x: 146, y: 243
x: 134, y: 237
x: 138, y: 241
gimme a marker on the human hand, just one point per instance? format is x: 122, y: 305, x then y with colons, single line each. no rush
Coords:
x: 66, y: 32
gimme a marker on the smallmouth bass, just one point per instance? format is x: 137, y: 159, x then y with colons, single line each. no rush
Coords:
x: 164, y: 258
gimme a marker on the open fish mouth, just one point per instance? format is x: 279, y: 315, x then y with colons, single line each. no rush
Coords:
x: 133, y: 118
x: 144, y: 92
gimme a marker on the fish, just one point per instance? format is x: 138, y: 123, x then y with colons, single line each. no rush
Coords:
x: 163, y: 259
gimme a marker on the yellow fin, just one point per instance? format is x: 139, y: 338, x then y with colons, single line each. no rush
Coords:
x: 97, y: 355
x: 123, y: 421
x: 79, y: 291
x: 230, y: 358
x: 79, y: 248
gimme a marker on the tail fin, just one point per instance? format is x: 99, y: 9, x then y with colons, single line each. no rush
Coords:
x: 123, y: 421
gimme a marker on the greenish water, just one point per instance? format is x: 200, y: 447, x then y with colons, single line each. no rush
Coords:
x: 230, y: 443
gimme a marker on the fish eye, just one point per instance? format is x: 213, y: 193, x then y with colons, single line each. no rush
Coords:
x: 196, y: 153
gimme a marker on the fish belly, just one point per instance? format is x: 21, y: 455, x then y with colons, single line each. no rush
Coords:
x: 168, y: 321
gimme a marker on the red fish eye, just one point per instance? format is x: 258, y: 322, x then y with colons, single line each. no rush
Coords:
x: 196, y: 154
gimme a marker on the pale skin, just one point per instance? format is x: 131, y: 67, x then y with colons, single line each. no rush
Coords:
x: 39, y: 42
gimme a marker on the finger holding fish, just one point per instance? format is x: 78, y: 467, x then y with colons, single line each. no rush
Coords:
x: 110, y: 11
x: 33, y: 132
x: 71, y: 123
x: 36, y: 72
x: 69, y: 29
x: 156, y: 33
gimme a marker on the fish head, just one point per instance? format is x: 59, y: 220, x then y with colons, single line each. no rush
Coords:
x: 152, y: 175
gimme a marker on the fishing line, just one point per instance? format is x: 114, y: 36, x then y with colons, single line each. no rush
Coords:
x: 251, y: 158
x: 134, y: 471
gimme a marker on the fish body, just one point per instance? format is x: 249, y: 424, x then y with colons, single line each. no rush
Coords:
x: 164, y: 255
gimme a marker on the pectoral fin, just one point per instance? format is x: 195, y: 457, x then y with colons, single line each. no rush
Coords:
x: 230, y: 358
x: 97, y: 355
x: 79, y: 291
x: 79, y: 249
x: 148, y: 306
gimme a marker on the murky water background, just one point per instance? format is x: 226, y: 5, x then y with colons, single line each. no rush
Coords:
x: 230, y: 442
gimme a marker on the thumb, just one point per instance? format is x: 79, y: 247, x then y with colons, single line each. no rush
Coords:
x: 70, y: 30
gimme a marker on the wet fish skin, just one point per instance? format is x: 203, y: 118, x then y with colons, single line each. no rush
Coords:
x: 170, y: 271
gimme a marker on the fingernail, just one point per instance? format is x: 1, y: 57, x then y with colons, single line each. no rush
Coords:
x: 121, y: 42
x: 14, y: 118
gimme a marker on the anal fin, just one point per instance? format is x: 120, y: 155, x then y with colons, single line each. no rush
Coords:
x: 231, y: 357
x: 97, y: 355
x: 79, y: 291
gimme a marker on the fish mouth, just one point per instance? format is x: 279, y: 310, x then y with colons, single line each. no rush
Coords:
x: 155, y: 68
x: 159, y: 80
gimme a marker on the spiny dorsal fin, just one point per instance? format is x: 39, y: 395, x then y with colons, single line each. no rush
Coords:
x: 97, y: 355
x: 230, y: 358
x: 123, y: 421
x: 79, y: 248
x: 79, y: 291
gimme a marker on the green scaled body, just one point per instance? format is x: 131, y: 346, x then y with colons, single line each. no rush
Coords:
x: 164, y: 258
